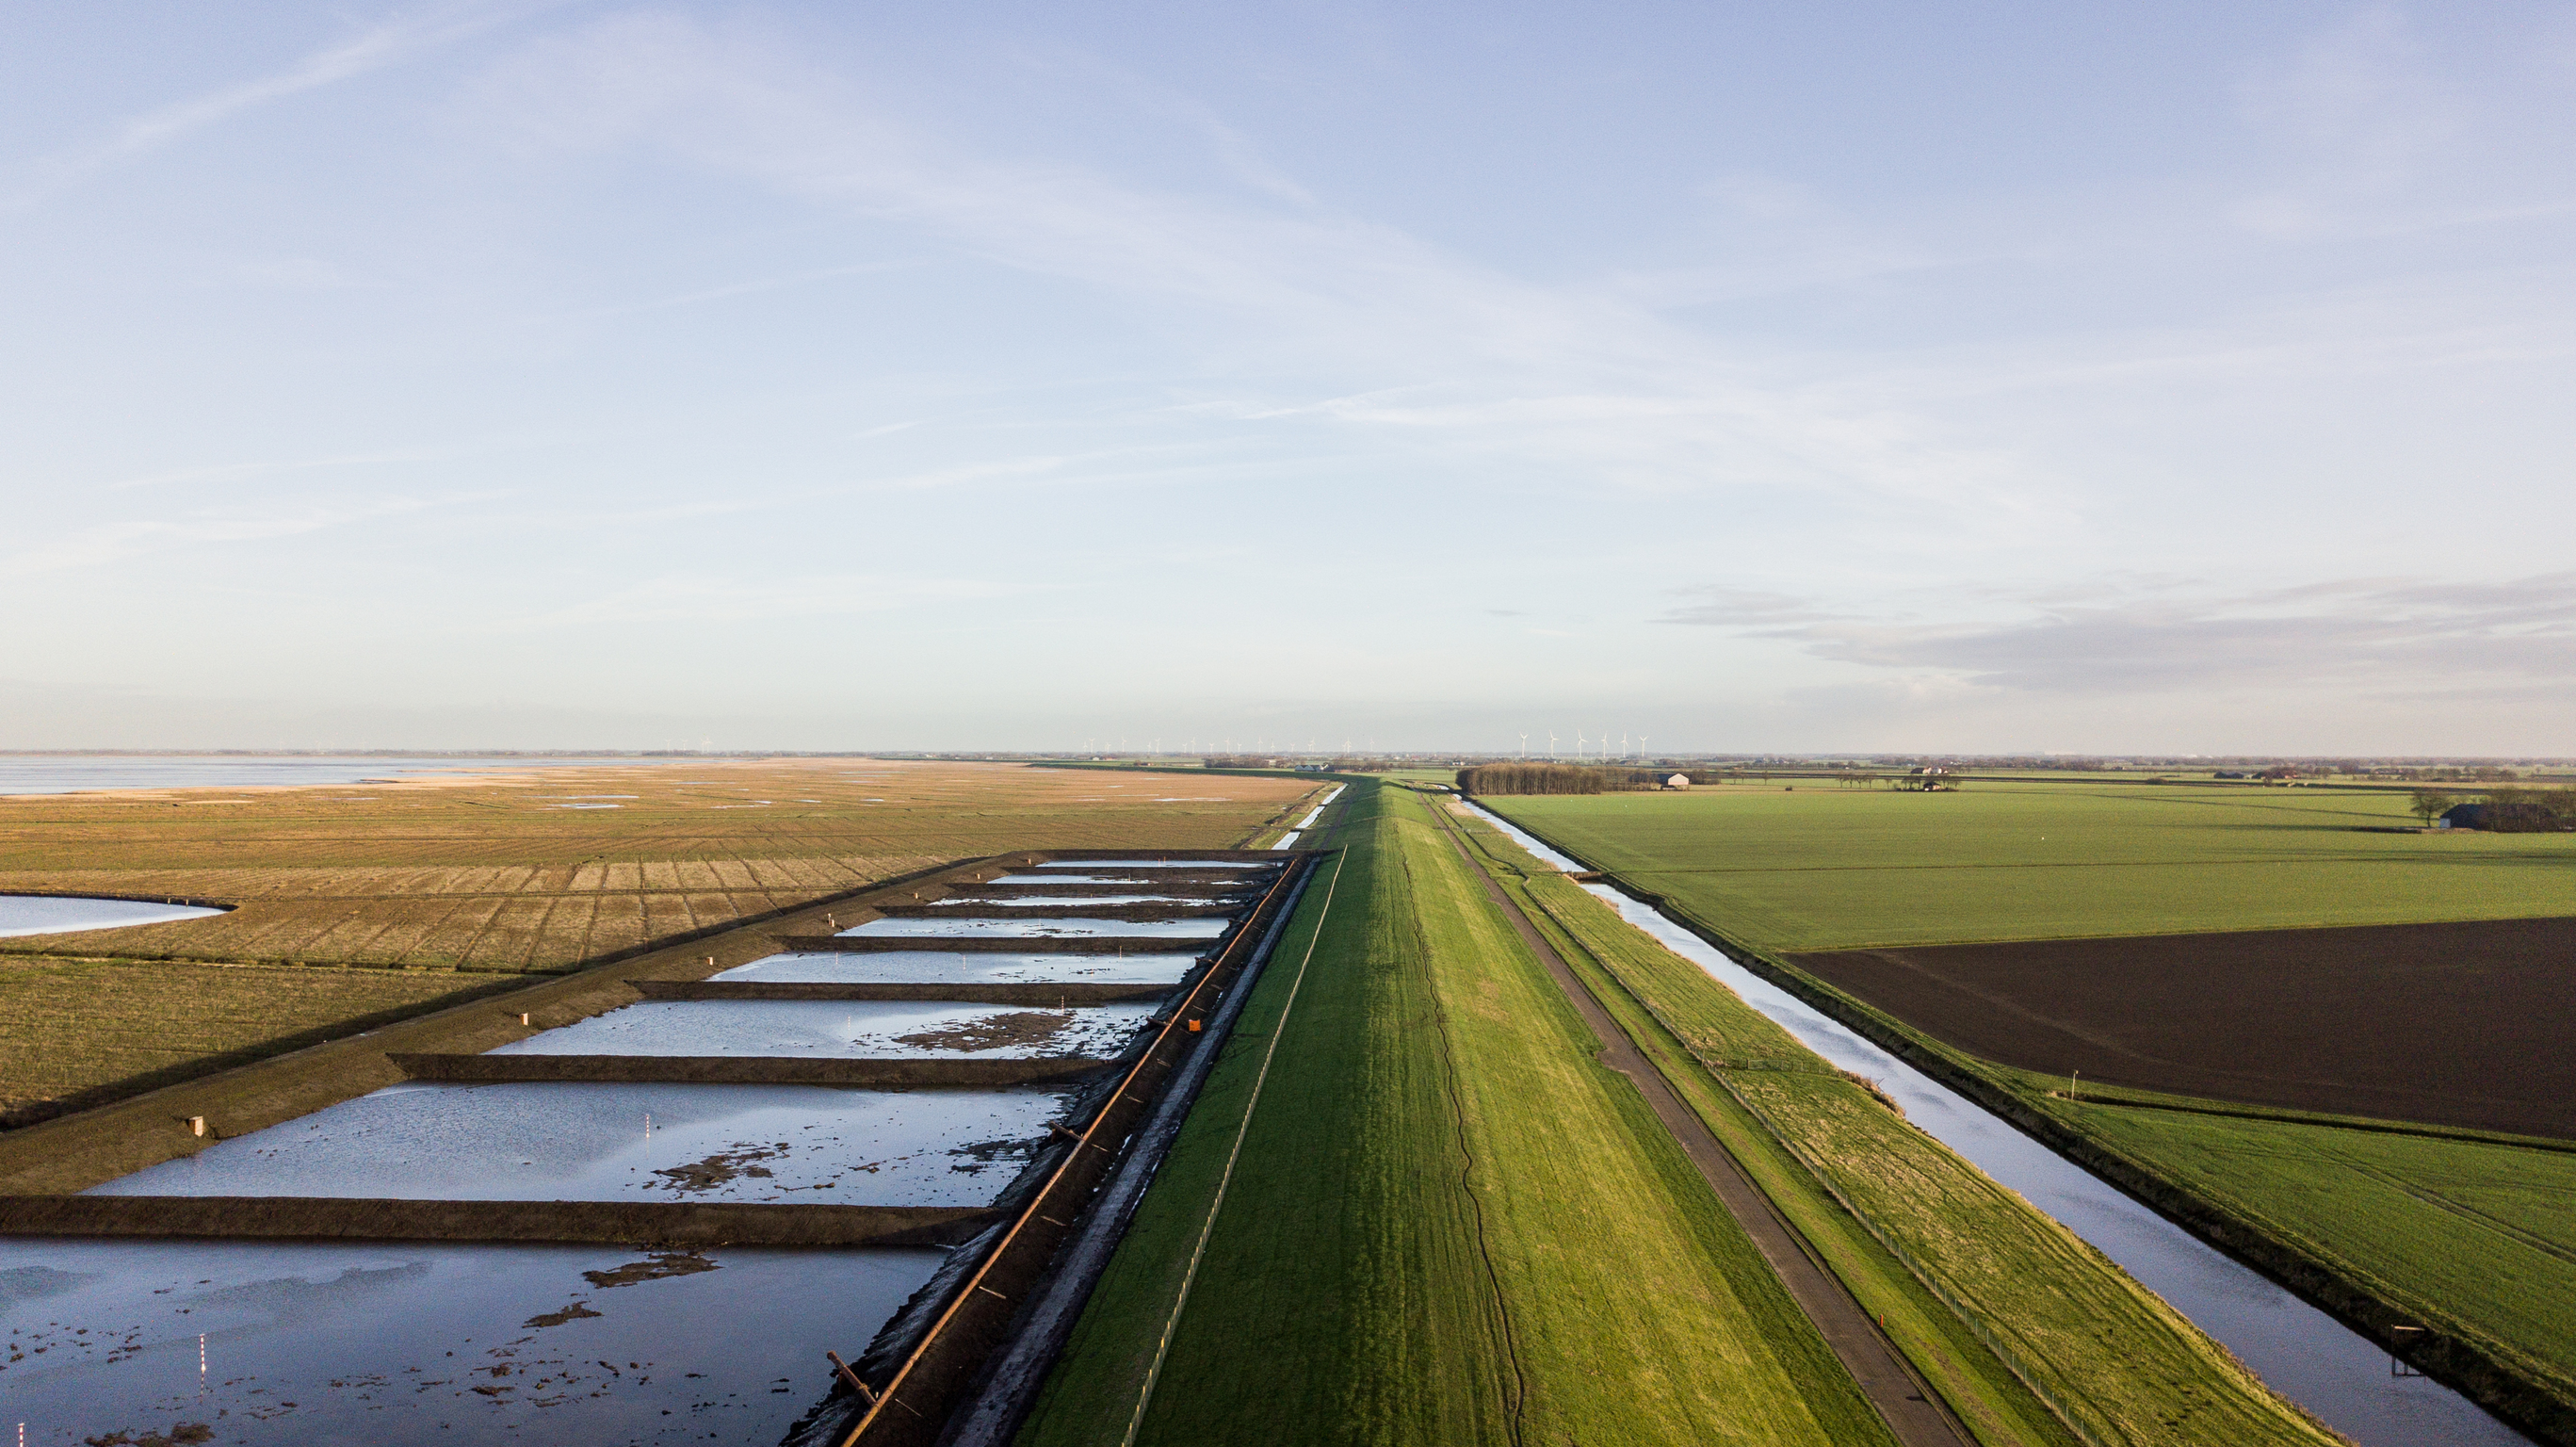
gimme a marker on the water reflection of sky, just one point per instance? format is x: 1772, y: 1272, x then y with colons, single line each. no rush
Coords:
x: 399, y: 1343
x: 53, y: 774
x: 30, y: 914
x: 945, y: 967
x: 827, y: 1029
x: 1206, y: 928
x: 586, y: 1142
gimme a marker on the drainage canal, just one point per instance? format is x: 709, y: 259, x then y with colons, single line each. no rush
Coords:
x: 650, y: 1224
x: 2306, y: 1355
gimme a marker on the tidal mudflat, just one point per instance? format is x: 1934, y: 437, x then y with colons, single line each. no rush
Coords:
x: 581, y: 1142
x: 413, y: 1343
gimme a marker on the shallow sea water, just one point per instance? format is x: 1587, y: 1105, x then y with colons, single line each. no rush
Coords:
x: 828, y: 1029
x: 433, y: 1141
x: 405, y: 1343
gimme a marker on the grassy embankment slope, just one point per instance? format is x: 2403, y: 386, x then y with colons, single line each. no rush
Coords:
x: 2476, y: 1237
x: 1992, y: 1281
x: 409, y: 896
x: 1448, y: 1223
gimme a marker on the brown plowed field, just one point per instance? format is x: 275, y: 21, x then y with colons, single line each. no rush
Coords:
x: 2470, y: 1024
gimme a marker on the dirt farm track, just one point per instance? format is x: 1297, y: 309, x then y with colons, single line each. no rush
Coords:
x: 2465, y: 1024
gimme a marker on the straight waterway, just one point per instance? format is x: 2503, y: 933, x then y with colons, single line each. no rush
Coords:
x: 2303, y: 1353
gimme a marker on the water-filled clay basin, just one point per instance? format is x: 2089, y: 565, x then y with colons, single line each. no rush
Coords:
x: 943, y: 967
x: 568, y: 1142
x: 1207, y: 928
x: 411, y: 1345
x: 844, y: 1029
x: 1069, y: 879
x: 44, y: 914
x: 1157, y: 864
x: 1078, y: 902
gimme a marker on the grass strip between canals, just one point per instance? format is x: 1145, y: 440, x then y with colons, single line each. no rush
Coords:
x: 1448, y: 1222
x: 2100, y: 1359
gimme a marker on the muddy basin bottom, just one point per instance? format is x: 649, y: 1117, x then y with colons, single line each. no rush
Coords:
x: 836, y: 1029
x: 944, y: 967
x: 403, y: 1343
x: 1199, y: 929
x: 586, y: 1142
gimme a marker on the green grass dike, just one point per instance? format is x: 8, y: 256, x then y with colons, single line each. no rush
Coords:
x: 1823, y: 868
x: 2030, y: 1333
x: 1447, y: 1223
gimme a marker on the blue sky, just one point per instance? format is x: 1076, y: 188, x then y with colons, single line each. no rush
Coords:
x: 2098, y: 379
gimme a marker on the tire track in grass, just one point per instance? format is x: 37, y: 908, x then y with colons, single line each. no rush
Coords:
x: 1908, y: 1405
x: 1519, y: 1396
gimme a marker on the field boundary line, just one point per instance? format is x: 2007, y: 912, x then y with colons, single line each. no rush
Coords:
x: 1278, y: 1027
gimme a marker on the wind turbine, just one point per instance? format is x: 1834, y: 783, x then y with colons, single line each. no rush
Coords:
x: 1641, y: 745
x: 1524, y: 745
x: 1578, y: 745
x: 1551, y: 743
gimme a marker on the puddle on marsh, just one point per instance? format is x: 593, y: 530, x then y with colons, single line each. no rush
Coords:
x: 1202, y: 929
x: 42, y: 914
x: 840, y: 1029
x: 944, y: 967
x: 411, y: 1343
x: 584, y: 1142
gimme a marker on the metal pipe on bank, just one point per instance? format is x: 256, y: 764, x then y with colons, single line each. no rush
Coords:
x: 913, y: 1406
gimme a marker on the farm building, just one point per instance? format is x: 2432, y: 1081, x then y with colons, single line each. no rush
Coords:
x: 1677, y: 781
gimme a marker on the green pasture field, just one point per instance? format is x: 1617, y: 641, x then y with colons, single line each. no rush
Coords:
x: 1448, y: 1222
x: 2478, y: 1236
x: 1817, y: 867
x: 2118, y: 1362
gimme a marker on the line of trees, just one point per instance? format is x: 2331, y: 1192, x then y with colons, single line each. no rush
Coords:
x: 2527, y: 811
x: 1554, y: 779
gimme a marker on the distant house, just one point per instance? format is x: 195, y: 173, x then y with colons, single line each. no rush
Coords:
x: 1678, y: 781
x: 2463, y: 816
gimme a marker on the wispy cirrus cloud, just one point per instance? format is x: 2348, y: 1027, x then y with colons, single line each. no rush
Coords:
x: 371, y: 50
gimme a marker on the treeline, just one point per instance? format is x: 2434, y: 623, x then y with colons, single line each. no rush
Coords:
x: 2527, y: 811
x: 1553, y: 779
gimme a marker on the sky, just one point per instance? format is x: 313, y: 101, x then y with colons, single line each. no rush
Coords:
x: 2190, y: 378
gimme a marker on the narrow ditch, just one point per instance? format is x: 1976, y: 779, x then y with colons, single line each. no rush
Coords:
x: 2303, y: 1353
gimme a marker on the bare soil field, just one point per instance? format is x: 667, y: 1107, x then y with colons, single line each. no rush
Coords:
x: 2461, y: 1024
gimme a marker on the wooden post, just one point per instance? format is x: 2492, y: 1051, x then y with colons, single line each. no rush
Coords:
x: 196, y: 1125
x: 842, y: 1369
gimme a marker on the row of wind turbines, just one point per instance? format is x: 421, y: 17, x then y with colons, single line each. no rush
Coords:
x: 1587, y: 748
